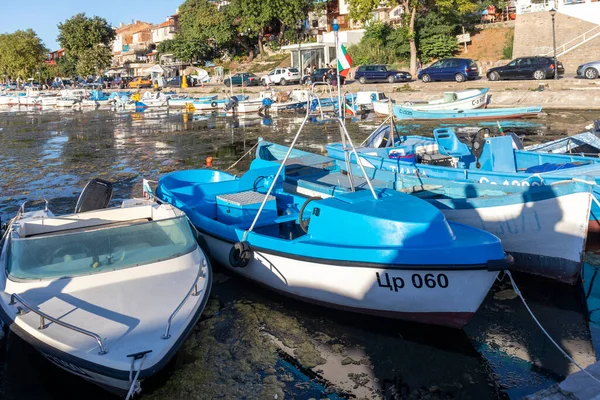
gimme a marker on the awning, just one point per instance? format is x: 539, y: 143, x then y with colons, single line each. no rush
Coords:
x: 157, y: 68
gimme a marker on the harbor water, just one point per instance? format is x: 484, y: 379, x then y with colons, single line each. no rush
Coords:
x: 253, y: 344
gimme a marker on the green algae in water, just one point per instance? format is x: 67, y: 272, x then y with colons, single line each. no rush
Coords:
x: 229, y: 355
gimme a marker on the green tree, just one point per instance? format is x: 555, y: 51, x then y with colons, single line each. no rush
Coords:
x: 289, y: 13
x: 202, y: 29
x: 249, y: 18
x: 87, y: 42
x: 22, y: 54
x: 361, y: 10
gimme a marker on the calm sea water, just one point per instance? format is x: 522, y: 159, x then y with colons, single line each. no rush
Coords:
x: 251, y: 343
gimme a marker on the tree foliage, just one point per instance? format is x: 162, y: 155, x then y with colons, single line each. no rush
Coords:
x: 22, y: 53
x: 87, y: 43
x: 429, y: 23
x: 381, y: 44
x: 203, y: 29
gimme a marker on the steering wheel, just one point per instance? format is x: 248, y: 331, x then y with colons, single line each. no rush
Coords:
x: 304, y: 222
x: 68, y: 248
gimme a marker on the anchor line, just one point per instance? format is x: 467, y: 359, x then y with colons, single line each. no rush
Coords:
x: 567, y: 356
x: 242, y: 157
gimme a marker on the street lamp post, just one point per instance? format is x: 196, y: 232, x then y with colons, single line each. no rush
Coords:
x: 553, y: 13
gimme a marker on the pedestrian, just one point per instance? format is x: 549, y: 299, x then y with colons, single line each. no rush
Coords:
x: 418, y: 65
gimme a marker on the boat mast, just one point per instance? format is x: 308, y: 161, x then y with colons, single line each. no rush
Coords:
x: 340, y: 111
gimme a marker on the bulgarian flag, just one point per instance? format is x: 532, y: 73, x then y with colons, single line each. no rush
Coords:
x: 344, y: 61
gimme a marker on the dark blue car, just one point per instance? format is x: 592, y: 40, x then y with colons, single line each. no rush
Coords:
x: 450, y: 69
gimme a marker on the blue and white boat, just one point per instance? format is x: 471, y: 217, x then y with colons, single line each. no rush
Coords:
x: 97, y: 98
x: 403, y: 113
x: 586, y: 143
x: 215, y: 104
x: 181, y: 101
x: 494, y: 160
x: 459, y: 100
x: 357, y: 253
x: 543, y: 227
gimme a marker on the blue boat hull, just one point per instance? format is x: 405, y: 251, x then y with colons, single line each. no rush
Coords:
x: 356, y: 253
x: 476, y: 114
x: 544, y: 227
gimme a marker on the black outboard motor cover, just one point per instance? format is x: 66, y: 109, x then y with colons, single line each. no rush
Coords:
x: 95, y: 196
x: 596, y: 127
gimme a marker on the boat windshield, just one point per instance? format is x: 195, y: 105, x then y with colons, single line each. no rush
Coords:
x: 104, y: 249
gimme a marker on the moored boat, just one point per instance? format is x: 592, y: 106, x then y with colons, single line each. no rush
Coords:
x: 108, y: 294
x: 402, y: 112
x: 459, y: 100
x: 543, y: 227
x: 176, y: 102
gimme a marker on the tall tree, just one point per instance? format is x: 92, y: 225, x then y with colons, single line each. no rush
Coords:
x: 361, y: 10
x: 22, y: 53
x: 87, y: 41
x: 249, y: 18
x: 202, y: 28
x: 289, y: 13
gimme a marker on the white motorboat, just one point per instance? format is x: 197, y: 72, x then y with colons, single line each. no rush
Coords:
x: 248, y: 106
x: 108, y: 294
x: 460, y: 100
x: 150, y: 99
x: 295, y: 100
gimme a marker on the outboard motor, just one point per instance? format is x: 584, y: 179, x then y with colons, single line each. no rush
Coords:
x: 596, y: 127
x: 95, y: 196
x: 231, y: 104
x: 266, y: 105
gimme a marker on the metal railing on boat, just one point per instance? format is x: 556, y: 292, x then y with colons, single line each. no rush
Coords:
x: 43, y: 317
x: 193, y: 292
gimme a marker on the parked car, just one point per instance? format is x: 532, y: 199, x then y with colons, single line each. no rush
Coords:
x: 242, y: 79
x: 32, y: 84
x: 282, y: 76
x: 450, y: 69
x: 12, y: 86
x: 589, y: 70
x: 139, y: 82
x: 380, y: 73
x: 119, y: 83
x: 318, y: 74
x: 526, y: 68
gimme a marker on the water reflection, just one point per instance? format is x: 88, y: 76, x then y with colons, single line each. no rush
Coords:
x: 257, y: 342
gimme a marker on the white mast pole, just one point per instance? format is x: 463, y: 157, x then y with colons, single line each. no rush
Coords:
x: 340, y: 111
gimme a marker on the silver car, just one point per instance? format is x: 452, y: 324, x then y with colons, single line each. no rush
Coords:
x: 590, y: 70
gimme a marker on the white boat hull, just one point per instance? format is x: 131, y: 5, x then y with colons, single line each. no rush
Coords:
x: 246, y: 107
x: 545, y: 237
x: 449, y: 298
x: 471, y: 103
x: 65, y: 103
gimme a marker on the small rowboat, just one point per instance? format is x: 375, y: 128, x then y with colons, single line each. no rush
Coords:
x: 461, y: 100
x: 404, y: 113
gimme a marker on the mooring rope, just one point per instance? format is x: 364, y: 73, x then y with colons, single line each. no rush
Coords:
x: 135, y: 387
x: 518, y: 292
x: 242, y: 157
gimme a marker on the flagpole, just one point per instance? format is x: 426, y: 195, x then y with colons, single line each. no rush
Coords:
x: 337, y: 67
x: 340, y: 111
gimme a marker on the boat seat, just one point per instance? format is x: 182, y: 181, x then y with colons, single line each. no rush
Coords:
x: 448, y: 143
x: 240, y: 208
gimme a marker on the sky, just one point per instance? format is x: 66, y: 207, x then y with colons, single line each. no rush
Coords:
x: 43, y: 16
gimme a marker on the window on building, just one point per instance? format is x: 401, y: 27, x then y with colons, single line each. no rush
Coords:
x: 315, y: 23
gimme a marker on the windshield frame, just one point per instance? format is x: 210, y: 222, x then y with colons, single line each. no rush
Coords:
x: 14, y: 278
